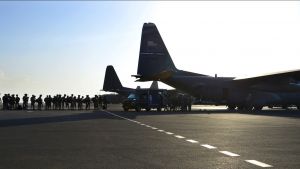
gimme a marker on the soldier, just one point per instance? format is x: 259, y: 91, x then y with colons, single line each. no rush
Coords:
x: 63, y: 101
x: 5, y: 102
x: 25, y: 102
x: 68, y: 102
x: 87, y: 102
x: 104, y: 102
x: 40, y: 102
x: 79, y: 102
x: 71, y: 102
x: 74, y: 100
x: 17, y: 102
x: 95, y: 102
x: 12, y: 102
x: 32, y: 100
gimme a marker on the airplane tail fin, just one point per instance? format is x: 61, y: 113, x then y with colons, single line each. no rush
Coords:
x: 111, y: 80
x: 155, y: 62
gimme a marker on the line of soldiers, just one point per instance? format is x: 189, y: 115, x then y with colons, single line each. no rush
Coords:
x: 57, y: 102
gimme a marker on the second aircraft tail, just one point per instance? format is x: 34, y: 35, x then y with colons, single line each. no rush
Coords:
x: 111, y: 81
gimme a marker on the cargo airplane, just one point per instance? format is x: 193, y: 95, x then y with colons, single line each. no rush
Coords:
x: 278, y: 89
x: 112, y: 83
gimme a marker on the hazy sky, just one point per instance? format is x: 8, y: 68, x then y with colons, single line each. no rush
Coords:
x: 64, y: 47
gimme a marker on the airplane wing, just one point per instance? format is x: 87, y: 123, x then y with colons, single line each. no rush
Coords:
x: 279, y: 78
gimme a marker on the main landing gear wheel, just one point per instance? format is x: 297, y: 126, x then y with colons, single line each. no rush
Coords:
x: 231, y: 107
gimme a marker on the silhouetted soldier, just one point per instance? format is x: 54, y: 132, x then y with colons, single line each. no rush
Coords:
x: 87, y: 102
x: 25, y: 102
x: 5, y: 102
x: 100, y: 101
x: 68, y: 102
x: 40, y: 102
x: 63, y: 101
x: 79, y: 102
x: 17, y: 102
x: 47, y: 102
x: 95, y: 101
x: 12, y: 102
x: 32, y: 100
x: 50, y: 101
x: 104, y: 102
x: 72, y: 102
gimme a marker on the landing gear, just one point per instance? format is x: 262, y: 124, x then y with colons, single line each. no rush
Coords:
x: 231, y: 107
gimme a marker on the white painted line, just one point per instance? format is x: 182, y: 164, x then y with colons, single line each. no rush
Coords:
x: 208, y: 146
x: 160, y: 130
x: 142, y: 124
x: 169, y: 133
x: 258, y: 163
x: 178, y: 136
x: 192, y: 141
x: 229, y: 153
x: 154, y: 128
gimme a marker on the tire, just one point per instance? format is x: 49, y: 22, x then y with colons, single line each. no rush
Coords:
x: 231, y: 107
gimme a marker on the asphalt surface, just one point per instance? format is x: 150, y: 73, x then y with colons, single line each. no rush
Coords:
x: 210, y: 138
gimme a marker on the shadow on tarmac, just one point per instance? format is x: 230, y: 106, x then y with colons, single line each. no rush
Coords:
x: 133, y: 115
x: 269, y: 112
x: 57, y: 119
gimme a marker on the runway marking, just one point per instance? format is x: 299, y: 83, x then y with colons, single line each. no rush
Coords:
x: 192, y: 141
x: 254, y: 162
x: 258, y: 163
x: 178, y: 136
x: 208, y: 146
x: 169, y: 133
x: 229, y: 153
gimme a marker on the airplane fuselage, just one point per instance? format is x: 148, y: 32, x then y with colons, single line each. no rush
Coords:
x: 223, y: 90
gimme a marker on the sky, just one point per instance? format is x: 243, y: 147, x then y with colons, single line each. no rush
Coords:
x: 50, y: 47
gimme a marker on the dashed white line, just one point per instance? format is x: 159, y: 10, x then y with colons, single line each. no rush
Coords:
x: 258, y: 163
x: 192, y: 141
x: 178, y: 136
x: 208, y: 146
x: 229, y: 153
x: 169, y: 133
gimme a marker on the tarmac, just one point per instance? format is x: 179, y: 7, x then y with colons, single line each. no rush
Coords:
x: 206, y: 138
